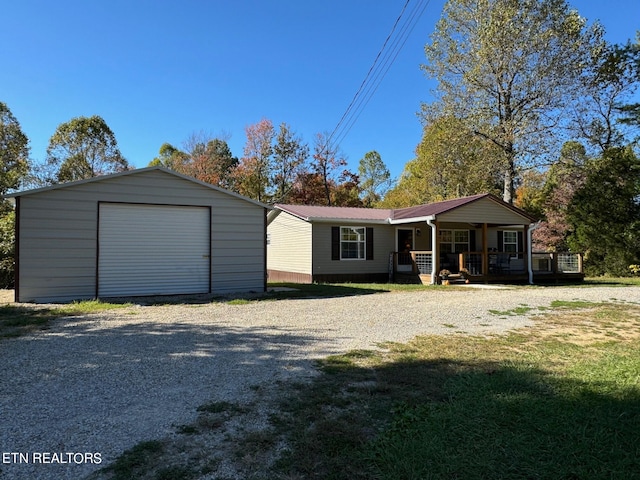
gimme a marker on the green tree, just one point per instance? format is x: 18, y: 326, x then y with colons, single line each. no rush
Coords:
x: 450, y: 162
x: 630, y: 55
x: 83, y: 147
x: 511, y: 69
x: 14, y: 151
x: 604, y: 214
x: 170, y: 157
x: 14, y: 168
x: 609, y: 83
x: 375, y: 178
x: 7, y: 246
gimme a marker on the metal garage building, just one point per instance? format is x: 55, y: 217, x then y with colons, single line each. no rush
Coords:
x: 142, y: 232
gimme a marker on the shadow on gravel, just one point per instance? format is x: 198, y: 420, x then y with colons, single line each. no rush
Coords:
x: 275, y: 292
x: 85, y: 388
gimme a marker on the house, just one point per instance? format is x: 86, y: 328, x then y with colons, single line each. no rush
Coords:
x: 481, y: 236
x: 150, y: 231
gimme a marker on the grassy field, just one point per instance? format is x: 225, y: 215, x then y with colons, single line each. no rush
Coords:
x: 560, y: 401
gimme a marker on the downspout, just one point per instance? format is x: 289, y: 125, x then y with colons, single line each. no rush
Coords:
x: 434, y: 243
x: 530, y: 230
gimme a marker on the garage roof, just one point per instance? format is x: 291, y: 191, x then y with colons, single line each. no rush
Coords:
x: 134, y: 172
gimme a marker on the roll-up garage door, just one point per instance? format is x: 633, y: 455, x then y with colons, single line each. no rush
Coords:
x: 153, y: 250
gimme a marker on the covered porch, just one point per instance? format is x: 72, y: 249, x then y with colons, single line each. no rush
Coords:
x: 489, y: 266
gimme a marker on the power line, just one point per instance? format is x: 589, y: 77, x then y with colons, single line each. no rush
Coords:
x: 381, y: 65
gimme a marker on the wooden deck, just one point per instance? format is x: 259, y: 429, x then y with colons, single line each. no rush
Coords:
x: 548, y: 268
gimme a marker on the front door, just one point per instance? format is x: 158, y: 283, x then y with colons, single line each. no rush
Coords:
x: 404, y: 245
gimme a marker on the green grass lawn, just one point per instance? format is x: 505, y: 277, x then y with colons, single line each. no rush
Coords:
x: 560, y: 401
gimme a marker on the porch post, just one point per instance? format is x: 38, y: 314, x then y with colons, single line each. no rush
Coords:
x: 527, y: 251
x: 485, y: 251
x: 435, y: 262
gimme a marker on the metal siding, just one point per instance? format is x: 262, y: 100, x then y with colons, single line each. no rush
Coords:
x: 152, y: 250
x: 58, y: 229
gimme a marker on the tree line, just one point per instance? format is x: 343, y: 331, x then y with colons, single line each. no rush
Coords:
x: 531, y: 104
x: 278, y: 166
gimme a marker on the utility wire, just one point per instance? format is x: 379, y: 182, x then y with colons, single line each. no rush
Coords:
x: 381, y: 65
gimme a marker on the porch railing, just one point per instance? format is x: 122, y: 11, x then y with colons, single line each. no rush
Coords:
x: 499, y: 263
x: 414, y: 262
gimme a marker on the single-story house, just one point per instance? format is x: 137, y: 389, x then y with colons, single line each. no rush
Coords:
x: 480, y: 238
x: 142, y: 232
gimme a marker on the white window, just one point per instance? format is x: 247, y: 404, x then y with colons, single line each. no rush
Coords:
x: 454, y: 241
x: 510, y: 241
x: 352, y: 243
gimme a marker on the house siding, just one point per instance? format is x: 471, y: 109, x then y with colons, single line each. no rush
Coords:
x: 323, y: 265
x: 289, y: 247
x: 484, y: 208
x: 58, y: 233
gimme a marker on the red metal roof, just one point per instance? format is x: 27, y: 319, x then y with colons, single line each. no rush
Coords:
x: 310, y: 212
x: 435, y: 208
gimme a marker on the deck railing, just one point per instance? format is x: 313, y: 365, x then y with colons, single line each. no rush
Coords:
x: 499, y: 263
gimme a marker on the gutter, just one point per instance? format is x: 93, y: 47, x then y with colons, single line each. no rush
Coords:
x: 530, y: 229
x: 434, y: 243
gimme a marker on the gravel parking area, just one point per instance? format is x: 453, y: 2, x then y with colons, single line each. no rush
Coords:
x: 100, y: 384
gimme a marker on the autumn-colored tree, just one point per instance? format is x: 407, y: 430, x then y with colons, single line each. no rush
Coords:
x: 252, y: 176
x: 562, y: 180
x: 328, y: 163
x: 347, y: 192
x: 212, y: 162
x: 529, y: 193
x: 308, y: 189
x: 289, y: 157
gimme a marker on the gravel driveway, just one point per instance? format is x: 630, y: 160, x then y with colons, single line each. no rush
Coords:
x: 99, y: 384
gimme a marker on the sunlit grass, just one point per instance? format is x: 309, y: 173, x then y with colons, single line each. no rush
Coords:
x: 560, y: 400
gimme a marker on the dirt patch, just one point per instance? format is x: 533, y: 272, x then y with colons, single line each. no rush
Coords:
x: 585, y: 327
x: 6, y: 296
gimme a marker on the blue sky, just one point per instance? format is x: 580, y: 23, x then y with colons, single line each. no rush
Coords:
x: 157, y: 71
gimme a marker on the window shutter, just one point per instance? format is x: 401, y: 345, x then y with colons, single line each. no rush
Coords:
x: 520, y: 243
x: 472, y: 240
x: 369, y: 243
x: 500, y: 241
x: 335, y: 243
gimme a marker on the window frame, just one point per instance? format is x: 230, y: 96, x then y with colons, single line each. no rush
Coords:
x: 513, y: 243
x: 361, y: 243
x: 452, y: 239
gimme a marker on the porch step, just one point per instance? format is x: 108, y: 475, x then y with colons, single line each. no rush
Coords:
x: 456, y: 278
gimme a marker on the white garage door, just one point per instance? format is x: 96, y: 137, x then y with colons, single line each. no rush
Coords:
x: 153, y: 250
